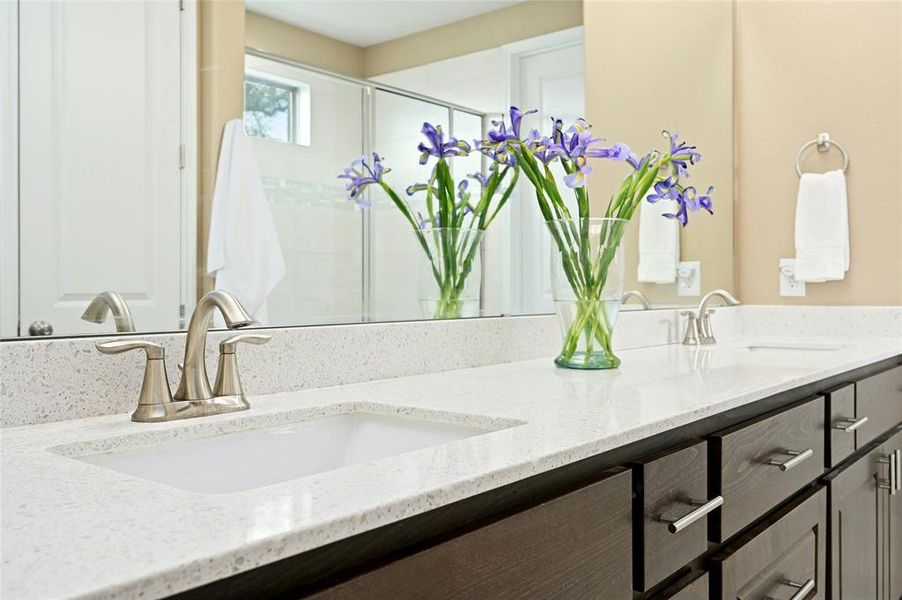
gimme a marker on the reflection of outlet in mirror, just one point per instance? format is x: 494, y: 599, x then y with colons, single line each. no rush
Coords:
x: 689, y: 278
x: 788, y: 284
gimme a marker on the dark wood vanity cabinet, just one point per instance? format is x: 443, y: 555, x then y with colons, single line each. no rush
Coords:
x: 577, y: 546
x: 802, y: 509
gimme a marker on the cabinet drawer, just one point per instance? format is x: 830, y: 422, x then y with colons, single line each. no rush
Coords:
x: 758, y: 465
x: 671, y: 506
x: 879, y: 398
x: 777, y: 558
x: 575, y: 546
x: 696, y: 589
x: 842, y: 422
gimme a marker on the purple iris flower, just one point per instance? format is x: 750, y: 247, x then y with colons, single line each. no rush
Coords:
x: 664, y: 190
x: 577, y: 178
x: 462, y: 189
x: 436, y: 145
x: 497, y: 152
x: 360, y: 175
x: 501, y: 133
x: 681, y: 153
x: 544, y: 148
x: 480, y: 177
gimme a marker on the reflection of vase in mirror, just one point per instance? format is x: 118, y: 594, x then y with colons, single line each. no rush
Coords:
x: 451, y: 273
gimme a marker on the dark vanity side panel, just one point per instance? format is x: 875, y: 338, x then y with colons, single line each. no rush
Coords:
x: 879, y: 398
x: 575, y: 547
x: 740, y: 467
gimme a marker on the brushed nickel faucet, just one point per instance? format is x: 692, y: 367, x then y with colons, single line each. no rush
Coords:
x: 194, y: 397
x: 110, y: 302
x: 195, y: 385
x: 698, y: 328
x: 638, y: 295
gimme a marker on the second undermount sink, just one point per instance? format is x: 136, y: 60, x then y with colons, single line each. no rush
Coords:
x: 235, y: 462
x: 774, y: 346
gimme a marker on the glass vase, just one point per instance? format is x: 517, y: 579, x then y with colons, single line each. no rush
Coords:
x: 587, y: 285
x: 451, y: 272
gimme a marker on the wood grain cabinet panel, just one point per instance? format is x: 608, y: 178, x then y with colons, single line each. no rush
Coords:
x: 577, y: 546
x: 879, y: 398
x: 695, y: 589
x: 742, y: 469
x: 893, y: 529
x: 775, y: 558
x: 669, y: 486
x: 855, y: 529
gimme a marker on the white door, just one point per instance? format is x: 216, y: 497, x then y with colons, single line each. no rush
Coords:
x: 550, y: 81
x: 99, y: 160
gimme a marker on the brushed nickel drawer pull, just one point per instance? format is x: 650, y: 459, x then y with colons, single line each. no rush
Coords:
x: 796, y: 458
x: 849, y: 425
x: 681, y: 523
x: 804, y: 588
x: 893, y: 484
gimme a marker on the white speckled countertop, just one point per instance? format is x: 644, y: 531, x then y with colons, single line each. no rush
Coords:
x: 72, y: 529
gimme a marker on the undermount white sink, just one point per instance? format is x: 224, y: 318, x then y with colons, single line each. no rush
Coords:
x: 792, y: 347
x: 240, y: 461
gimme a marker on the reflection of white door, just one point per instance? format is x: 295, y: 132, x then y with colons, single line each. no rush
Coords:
x: 99, y: 160
x: 550, y: 81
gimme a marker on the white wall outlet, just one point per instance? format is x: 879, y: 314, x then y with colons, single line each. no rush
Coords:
x: 689, y: 278
x: 789, y: 286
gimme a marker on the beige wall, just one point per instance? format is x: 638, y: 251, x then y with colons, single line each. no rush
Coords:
x: 276, y: 37
x: 220, y: 84
x: 653, y: 65
x: 804, y: 67
x: 489, y: 30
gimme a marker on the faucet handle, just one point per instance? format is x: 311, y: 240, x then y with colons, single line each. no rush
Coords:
x: 228, y: 382
x: 691, y: 337
x: 227, y: 346
x: 154, y: 351
x: 155, y: 392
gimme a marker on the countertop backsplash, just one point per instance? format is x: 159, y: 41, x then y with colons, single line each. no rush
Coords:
x: 49, y: 380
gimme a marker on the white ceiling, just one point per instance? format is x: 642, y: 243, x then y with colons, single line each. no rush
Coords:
x: 367, y: 22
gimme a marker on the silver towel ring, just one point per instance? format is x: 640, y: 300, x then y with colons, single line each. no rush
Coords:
x: 823, y: 142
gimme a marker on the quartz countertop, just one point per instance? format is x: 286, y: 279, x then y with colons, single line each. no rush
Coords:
x: 73, y: 529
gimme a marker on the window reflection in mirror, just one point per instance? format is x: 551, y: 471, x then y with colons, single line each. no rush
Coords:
x: 118, y: 186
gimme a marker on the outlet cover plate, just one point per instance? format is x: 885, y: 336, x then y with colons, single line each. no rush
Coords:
x: 689, y: 278
x: 788, y: 284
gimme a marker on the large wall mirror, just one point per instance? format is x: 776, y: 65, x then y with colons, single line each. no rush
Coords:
x: 125, y: 174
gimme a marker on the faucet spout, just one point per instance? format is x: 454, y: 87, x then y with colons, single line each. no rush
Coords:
x: 195, y: 384
x: 728, y: 298
x: 638, y: 295
x: 110, y: 302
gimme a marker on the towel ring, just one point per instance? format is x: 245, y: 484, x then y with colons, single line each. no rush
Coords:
x: 823, y: 142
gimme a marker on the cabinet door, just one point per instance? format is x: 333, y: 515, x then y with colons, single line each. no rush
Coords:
x: 893, y: 545
x: 855, y: 531
x: 577, y: 546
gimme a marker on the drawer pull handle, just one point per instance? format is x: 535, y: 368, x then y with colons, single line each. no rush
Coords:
x: 795, y: 459
x: 804, y: 588
x: 894, y: 483
x: 681, y: 523
x: 850, y: 425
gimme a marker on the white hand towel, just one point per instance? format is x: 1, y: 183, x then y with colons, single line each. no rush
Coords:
x: 244, y: 251
x: 822, y: 227
x: 659, y: 242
